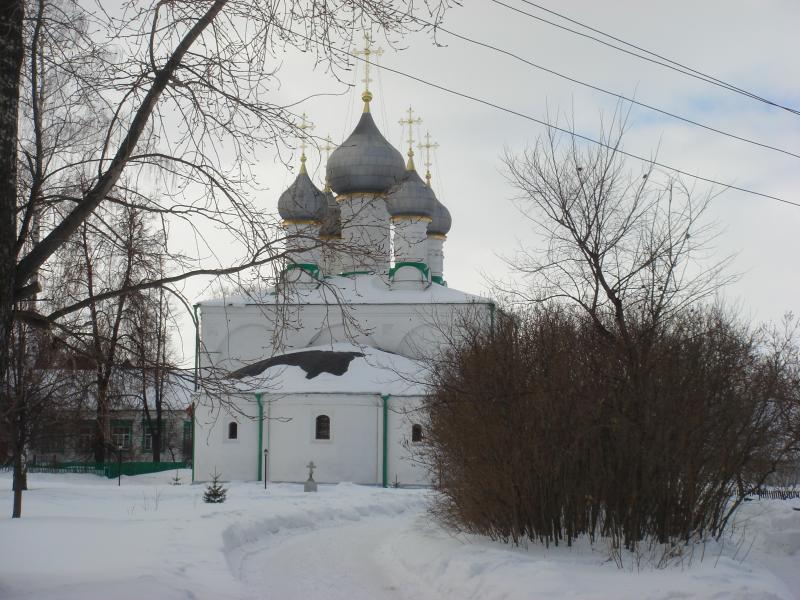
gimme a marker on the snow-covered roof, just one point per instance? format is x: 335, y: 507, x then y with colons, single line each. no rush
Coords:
x: 352, y: 289
x: 335, y: 369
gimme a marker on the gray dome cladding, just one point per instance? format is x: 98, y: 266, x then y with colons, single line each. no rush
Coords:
x: 332, y: 221
x: 365, y: 162
x: 302, y: 201
x: 441, y: 221
x: 411, y: 197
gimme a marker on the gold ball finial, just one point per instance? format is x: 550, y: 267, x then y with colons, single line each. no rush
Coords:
x: 366, y: 97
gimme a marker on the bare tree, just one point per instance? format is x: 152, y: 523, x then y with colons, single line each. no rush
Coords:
x: 100, y: 107
x: 618, y: 241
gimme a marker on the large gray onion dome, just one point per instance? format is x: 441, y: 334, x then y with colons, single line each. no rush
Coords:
x: 440, y: 219
x: 411, y: 197
x: 332, y: 220
x: 365, y: 162
x: 302, y: 201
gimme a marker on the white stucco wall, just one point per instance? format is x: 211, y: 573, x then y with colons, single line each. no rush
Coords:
x: 354, y: 453
x: 235, y: 335
x: 233, y: 459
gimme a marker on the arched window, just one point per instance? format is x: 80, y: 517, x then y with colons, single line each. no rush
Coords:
x: 233, y: 430
x: 416, y: 433
x: 322, y: 429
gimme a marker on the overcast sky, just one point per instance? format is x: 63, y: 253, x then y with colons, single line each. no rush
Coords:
x: 752, y: 44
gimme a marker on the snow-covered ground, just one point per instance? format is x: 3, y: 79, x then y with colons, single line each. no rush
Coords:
x: 82, y: 537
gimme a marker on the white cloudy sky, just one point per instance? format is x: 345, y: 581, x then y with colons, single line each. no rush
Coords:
x: 753, y: 44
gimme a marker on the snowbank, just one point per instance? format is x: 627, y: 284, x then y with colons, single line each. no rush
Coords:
x: 82, y: 537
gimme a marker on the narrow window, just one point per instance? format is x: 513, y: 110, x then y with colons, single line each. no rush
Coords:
x: 233, y: 431
x: 416, y: 433
x: 323, y: 428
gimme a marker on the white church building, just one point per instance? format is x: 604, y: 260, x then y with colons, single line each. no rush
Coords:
x: 329, y: 366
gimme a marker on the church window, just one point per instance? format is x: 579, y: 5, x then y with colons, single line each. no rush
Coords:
x: 233, y: 431
x: 416, y: 433
x: 322, y: 431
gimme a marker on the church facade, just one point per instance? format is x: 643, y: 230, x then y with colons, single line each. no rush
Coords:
x: 329, y: 366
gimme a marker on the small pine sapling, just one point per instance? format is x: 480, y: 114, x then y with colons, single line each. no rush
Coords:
x: 215, y: 492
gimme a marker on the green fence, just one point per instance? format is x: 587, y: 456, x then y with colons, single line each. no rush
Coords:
x: 109, y: 470
x: 142, y: 468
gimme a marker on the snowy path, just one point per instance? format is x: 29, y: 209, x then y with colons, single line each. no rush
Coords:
x: 85, y: 538
x: 347, y: 562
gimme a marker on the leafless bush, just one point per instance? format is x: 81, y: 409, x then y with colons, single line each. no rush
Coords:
x: 539, y: 430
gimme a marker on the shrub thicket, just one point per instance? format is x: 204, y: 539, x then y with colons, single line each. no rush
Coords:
x: 545, y: 428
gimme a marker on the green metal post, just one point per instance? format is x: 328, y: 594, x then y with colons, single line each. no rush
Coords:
x: 260, y: 431
x: 385, y: 398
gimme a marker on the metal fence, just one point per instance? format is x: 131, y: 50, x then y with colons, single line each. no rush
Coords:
x: 109, y: 470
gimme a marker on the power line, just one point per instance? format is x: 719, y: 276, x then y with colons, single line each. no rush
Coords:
x: 608, y: 92
x: 547, y: 124
x: 669, y: 64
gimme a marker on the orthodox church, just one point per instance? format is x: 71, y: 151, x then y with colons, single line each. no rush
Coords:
x: 328, y: 367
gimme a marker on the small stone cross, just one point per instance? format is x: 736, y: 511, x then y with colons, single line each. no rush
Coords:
x: 311, y: 466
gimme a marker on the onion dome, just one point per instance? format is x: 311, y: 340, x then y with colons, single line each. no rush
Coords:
x: 302, y: 201
x: 440, y: 219
x: 332, y: 220
x: 365, y: 162
x: 411, y: 197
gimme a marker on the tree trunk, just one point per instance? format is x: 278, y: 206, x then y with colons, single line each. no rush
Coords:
x: 11, y: 54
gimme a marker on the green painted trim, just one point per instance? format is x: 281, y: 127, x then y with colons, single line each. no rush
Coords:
x: 351, y: 273
x: 260, y: 432
x: 420, y: 266
x: 438, y: 279
x: 385, y: 398
x: 309, y: 268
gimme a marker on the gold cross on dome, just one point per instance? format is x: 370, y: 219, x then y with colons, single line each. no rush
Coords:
x: 410, y: 121
x: 428, y: 146
x: 327, y: 149
x: 304, y: 127
x: 366, y: 53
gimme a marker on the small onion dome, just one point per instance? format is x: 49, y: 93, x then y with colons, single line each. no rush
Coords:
x: 440, y: 219
x: 302, y: 201
x: 365, y: 162
x: 411, y: 197
x: 332, y: 220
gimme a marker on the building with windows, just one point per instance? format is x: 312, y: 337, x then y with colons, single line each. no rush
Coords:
x: 329, y: 364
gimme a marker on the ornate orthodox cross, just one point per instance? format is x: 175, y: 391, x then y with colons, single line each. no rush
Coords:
x: 410, y: 121
x: 304, y: 127
x: 367, y: 52
x: 428, y: 146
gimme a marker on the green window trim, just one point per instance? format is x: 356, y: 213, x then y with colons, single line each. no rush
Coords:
x: 420, y: 266
x: 439, y: 279
x: 309, y: 268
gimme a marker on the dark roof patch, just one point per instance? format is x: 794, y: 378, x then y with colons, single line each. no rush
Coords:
x: 313, y: 362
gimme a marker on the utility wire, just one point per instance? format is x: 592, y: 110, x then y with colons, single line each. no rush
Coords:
x: 669, y: 64
x: 605, y: 91
x: 548, y: 125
